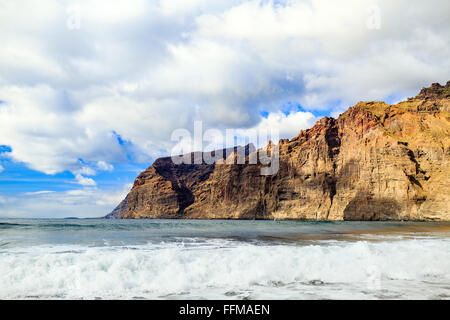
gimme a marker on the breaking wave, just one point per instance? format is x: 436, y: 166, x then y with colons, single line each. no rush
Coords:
x: 226, y: 269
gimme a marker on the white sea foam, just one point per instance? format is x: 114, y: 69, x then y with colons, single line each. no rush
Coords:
x: 223, y: 269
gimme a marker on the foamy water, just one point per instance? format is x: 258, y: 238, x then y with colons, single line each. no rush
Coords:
x: 98, y: 259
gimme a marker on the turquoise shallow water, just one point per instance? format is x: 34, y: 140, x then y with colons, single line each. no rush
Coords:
x: 199, y: 259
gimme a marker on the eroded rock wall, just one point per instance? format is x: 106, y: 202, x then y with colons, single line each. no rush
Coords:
x: 375, y: 162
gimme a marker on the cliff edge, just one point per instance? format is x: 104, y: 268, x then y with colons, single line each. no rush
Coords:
x: 375, y: 162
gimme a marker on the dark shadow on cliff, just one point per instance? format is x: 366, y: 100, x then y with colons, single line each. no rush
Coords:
x: 365, y: 207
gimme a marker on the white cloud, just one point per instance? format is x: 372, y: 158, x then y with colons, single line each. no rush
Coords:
x: 37, y: 193
x: 86, y: 202
x: 42, y: 130
x: 88, y: 171
x: 140, y: 69
x: 289, y: 125
x: 104, y: 166
x: 84, y: 181
x: 277, y: 125
x: 1, y: 168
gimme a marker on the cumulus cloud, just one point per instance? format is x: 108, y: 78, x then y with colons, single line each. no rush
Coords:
x: 287, y: 125
x: 1, y: 168
x: 88, y: 171
x: 139, y: 69
x: 84, y: 181
x: 43, y: 132
x: 277, y: 125
x: 104, y: 166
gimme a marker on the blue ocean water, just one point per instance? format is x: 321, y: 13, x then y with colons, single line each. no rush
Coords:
x: 203, y: 259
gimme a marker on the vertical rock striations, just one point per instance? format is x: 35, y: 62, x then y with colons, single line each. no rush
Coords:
x: 375, y: 162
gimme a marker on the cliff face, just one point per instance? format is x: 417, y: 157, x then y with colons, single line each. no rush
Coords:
x: 375, y: 162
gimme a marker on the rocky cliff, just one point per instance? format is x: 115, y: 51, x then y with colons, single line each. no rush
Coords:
x: 375, y: 162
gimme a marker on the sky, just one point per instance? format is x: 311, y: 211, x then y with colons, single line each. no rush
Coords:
x: 90, y: 91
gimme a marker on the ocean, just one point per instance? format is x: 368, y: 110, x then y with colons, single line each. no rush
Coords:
x: 200, y: 259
